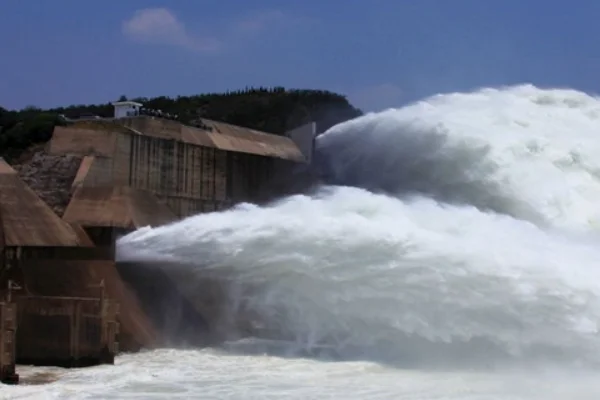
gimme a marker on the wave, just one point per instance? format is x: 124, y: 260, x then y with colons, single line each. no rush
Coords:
x: 457, y: 230
x: 523, y: 151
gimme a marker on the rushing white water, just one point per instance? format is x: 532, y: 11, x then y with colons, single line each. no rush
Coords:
x: 407, y: 282
x: 210, y: 374
x: 468, y: 242
x: 522, y: 151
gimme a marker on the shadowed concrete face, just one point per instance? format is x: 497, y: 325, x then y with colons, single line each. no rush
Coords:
x: 184, y: 317
x: 191, y: 307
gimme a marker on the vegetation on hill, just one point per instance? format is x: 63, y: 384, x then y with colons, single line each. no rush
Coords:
x: 272, y: 110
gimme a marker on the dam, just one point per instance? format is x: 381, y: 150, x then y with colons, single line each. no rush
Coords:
x: 127, y: 172
x: 468, y: 269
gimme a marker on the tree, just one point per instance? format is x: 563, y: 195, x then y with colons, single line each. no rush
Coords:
x: 273, y: 110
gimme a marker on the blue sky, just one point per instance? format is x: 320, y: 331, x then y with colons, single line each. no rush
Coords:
x: 380, y: 53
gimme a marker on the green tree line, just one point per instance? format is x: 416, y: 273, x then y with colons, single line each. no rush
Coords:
x: 272, y: 110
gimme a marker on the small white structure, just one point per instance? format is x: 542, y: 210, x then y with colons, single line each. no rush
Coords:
x: 125, y: 109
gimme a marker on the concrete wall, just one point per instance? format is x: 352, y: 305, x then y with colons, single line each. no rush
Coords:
x: 304, y: 137
x: 189, y: 178
x: 84, y: 140
x: 100, y: 173
x: 77, y: 331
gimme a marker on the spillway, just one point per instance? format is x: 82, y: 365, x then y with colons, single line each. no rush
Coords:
x: 453, y: 253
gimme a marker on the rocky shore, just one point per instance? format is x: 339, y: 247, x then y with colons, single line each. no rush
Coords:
x: 49, y: 176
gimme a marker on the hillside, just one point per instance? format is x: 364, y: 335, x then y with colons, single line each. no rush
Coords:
x: 272, y: 110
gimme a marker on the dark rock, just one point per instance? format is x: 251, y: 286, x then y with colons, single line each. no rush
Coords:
x: 50, y: 177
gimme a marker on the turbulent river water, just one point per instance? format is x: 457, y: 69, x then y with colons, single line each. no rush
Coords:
x: 455, y: 255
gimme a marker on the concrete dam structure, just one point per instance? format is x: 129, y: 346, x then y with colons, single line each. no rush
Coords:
x: 138, y: 170
x: 52, y: 288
